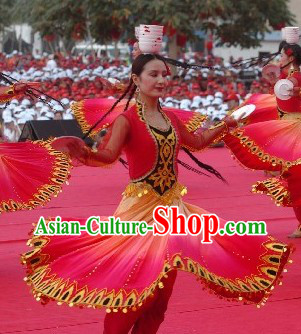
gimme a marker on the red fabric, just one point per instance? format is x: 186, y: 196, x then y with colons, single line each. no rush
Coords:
x: 188, y: 304
x: 4, y: 95
x: 293, y: 178
x: 146, y: 319
x: 29, y: 174
x: 294, y: 103
x: 92, y: 110
x: 140, y: 142
x: 266, y: 108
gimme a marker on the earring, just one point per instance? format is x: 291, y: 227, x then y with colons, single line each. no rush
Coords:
x: 138, y: 89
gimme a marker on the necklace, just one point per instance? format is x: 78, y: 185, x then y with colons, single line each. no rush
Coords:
x: 151, y: 121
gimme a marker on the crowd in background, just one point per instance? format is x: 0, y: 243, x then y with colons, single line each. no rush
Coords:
x: 211, y: 92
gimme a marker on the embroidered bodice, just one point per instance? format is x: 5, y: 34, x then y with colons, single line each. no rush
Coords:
x: 163, y: 176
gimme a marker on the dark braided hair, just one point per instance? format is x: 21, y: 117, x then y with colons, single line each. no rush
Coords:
x: 265, y: 59
x: 132, y: 93
x: 112, y: 108
x: 137, y: 68
x: 296, y: 51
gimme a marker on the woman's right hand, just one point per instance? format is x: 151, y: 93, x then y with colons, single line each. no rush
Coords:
x: 74, y: 146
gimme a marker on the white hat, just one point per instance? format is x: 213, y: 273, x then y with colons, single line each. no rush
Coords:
x: 67, y: 116
x: 217, y: 101
x: 25, y: 102
x: 197, y: 98
x: 292, y: 35
x: 168, y: 104
x: 65, y: 100
x: 150, y: 38
x: 39, y: 104
x: 283, y: 34
x: 195, y: 104
x: 17, y: 109
x: 14, y: 101
x: 7, y: 119
x: 185, y: 104
x: 113, y: 81
x: 49, y: 114
x: 21, y: 120
x: 58, y: 107
x: 206, y: 103
x: 219, y: 94
x: 31, y: 111
x: 224, y: 106
x: 21, y: 114
x: 6, y: 113
x: 44, y: 109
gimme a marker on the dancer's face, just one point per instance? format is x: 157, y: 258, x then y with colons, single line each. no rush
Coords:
x: 152, y: 81
x: 285, y: 59
x: 136, y: 51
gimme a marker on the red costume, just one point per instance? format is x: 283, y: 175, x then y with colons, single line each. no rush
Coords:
x: 271, y: 141
x: 30, y: 174
x: 122, y: 273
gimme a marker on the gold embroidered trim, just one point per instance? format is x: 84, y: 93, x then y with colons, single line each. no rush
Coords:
x: 273, y: 188
x: 284, y: 115
x: 195, y: 122
x: 140, y: 189
x: 163, y: 177
x: 139, y: 110
x: 11, y: 94
x: 48, y: 286
x: 260, y: 153
x: 214, y: 142
x: 78, y: 111
x: 58, y: 177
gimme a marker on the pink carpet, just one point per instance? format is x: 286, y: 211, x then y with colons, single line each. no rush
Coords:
x: 191, y: 310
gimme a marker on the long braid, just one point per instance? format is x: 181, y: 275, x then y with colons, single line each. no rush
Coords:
x: 204, y: 166
x: 208, y: 168
x: 184, y: 65
x: 110, y: 110
x: 124, y: 162
x: 130, y: 96
x: 192, y: 169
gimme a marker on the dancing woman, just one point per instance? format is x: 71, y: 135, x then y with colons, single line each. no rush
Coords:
x: 133, y: 276
x: 272, y: 142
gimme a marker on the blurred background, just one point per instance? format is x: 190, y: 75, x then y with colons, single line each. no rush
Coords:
x: 71, y: 46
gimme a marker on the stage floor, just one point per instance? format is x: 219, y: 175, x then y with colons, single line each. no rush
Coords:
x: 96, y: 191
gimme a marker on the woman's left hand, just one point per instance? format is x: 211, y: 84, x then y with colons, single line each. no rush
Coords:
x: 231, y: 122
x: 295, y: 91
